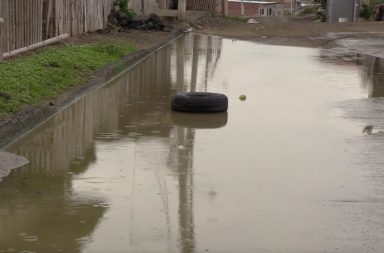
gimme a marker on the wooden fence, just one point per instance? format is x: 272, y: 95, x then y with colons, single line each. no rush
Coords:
x: 22, y: 23
x: 80, y: 16
x: 204, y: 5
x: 27, y: 22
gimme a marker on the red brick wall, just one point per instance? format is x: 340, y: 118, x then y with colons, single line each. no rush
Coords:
x: 250, y: 9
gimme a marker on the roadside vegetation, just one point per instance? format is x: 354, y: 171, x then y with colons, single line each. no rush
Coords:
x: 321, y: 11
x: 371, y: 10
x: 48, y: 72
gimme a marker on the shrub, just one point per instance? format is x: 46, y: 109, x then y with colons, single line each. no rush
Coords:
x: 307, y: 10
x: 365, y: 11
x: 123, y: 6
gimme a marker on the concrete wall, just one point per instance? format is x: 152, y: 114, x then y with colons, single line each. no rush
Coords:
x: 337, y: 9
x: 234, y: 9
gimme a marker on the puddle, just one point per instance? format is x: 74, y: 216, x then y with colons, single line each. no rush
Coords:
x: 286, y: 170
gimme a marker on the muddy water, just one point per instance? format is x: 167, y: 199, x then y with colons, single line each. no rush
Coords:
x: 287, y: 170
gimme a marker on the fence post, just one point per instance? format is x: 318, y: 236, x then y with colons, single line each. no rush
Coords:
x: 225, y: 7
x: 182, y: 9
x: 162, y: 4
x: 1, y: 38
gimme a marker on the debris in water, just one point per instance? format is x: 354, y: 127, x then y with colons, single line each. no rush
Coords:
x: 31, y: 238
x: 189, y: 30
x: 181, y: 147
x: 9, y: 161
x: 368, y: 129
x: 252, y: 21
x: 243, y: 97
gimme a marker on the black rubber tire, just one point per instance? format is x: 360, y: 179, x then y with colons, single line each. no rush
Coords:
x: 200, y: 102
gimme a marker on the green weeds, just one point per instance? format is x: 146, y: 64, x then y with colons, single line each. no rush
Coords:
x: 46, y: 73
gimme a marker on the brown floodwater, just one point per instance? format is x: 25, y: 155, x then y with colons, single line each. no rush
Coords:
x: 287, y: 170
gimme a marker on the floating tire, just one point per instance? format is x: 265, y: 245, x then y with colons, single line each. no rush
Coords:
x: 200, y: 102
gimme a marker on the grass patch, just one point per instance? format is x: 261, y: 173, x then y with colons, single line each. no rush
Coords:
x: 48, y: 72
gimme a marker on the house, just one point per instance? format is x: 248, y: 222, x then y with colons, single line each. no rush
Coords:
x: 183, y: 9
x: 252, y: 8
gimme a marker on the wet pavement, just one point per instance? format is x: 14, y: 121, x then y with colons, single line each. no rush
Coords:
x: 287, y: 170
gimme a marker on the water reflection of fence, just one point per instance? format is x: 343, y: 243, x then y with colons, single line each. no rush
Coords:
x: 134, y: 107
x: 372, y: 68
x: 196, y: 60
x: 70, y: 135
x: 373, y: 74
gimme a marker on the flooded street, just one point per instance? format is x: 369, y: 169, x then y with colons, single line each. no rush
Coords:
x: 288, y: 170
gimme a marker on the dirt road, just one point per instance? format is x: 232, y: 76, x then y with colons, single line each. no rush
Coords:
x: 286, y: 31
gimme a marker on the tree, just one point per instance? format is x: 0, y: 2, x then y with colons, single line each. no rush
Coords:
x: 323, y: 3
x: 365, y: 11
x: 321, y: 12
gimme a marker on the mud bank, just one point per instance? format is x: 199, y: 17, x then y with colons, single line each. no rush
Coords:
x: 19, y: 123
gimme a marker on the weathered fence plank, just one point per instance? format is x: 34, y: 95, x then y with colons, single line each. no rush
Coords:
x: 28, y: 22
x: 22, y: 25
x: 1, y: 34
x: 203, y: 5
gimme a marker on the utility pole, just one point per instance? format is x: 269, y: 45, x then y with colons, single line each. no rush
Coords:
x: 142, y: 8
x: 225, y: 7
x: 293, y: 7
x: 162, y: 4
x: 1, y: 44
x: 182, y: 9
x: 355, y: 11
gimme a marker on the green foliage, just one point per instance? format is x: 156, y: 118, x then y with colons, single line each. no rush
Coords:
x: 323, y: 3
x: 308, y: 10
x: 31, y: 79
x: 372, y: 3
x: 365, y: 11
x: 321, y: 13
x: 287, y: 12
x: 123, y: 6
